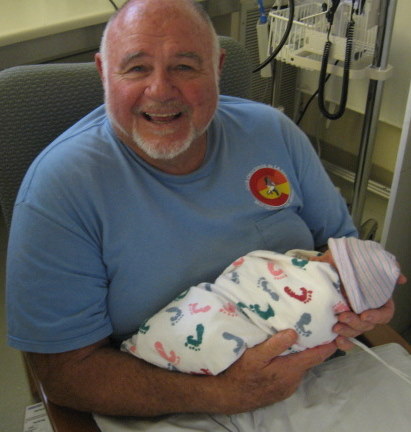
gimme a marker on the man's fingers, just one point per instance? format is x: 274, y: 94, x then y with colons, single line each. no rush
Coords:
x: 314, y: 356
x: 352, y: 325
x: 344, y: 344
x: 280, y: 342
x: 382, y: 315
x: 274, y: 346
x: 402, y: 279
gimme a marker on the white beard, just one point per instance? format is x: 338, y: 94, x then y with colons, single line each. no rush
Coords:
x: 161, y: 151
x: 151, y: 147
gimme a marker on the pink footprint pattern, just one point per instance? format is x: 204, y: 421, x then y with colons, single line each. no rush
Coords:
x: 238, y: 262
x: 229, y: 309
x: 194, y: 309
x: 305, y: 295
x: 277, y: 273
x: 172, y: 357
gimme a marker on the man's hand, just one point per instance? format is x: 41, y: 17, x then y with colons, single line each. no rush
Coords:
x: 352, y: 325
x: 260, y: 377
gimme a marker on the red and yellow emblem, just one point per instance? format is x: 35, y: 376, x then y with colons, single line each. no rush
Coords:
x: 270, y: 186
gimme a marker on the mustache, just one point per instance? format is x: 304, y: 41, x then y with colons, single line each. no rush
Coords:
x: 162, y: 108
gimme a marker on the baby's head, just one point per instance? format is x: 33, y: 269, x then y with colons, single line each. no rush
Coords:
x: 368, y: 273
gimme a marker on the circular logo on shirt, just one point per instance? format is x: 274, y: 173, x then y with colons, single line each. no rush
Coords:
x: 270, y: 186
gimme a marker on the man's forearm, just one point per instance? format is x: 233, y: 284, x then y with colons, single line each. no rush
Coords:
x: 107, y: 381
x: 103, y: 380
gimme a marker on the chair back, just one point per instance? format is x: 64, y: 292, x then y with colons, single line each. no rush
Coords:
x: 39, y: 102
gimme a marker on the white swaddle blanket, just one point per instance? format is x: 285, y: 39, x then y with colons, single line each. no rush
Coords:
x: 209, y: 326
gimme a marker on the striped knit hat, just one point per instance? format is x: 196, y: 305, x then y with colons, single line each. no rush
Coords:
x: 368, y: 272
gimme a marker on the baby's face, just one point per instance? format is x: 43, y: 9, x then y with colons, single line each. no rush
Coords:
x: 325, y: 257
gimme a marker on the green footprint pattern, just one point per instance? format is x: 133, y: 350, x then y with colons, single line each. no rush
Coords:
x: 264, y: 314
x: 144, y: 328
x: 194, y: 342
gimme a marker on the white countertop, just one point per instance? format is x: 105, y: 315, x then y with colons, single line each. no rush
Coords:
x: 22, y: 20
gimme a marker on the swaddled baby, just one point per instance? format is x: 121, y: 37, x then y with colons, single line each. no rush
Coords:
x: 209, y: 326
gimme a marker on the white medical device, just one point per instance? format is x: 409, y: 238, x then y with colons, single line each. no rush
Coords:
x: 345, y: 24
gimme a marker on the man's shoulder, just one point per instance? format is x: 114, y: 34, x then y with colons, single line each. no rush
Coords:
x: 251, y: 108
x: 89, y: 132
x: 233, y: 101
x: 89, y: 123
x: 74, y: 150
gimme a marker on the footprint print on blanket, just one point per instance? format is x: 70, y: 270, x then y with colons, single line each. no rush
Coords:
x: 267, y: 287
x: 239, y: 341
x: 194, y: 342
x: 171, y: 357
x: 144, y: 328
x: 195, y: 309
x: 301, y: 263
x: 264, y: 314
x: 207, y: 286
x: 239, y: 262
x: 305, y: 295
x: 229, y: 309
x: 234, y: 277
x: 181, y: 295
x: 278, y: 273
x: 304, y: 320
x: 177, y: 314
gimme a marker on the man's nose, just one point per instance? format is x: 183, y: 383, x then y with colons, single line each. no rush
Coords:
x: 161, y: 86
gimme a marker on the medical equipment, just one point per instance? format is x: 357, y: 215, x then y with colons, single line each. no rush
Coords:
x: 335, y: 37
x: 368, y: 57
x: 317, y: 23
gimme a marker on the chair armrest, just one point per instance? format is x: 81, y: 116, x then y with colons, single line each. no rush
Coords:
x: 62, y: 419
x: 65, y: 419
x: 383, y: 334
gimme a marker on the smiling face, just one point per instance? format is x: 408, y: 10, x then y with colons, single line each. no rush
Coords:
x: 160, y: 72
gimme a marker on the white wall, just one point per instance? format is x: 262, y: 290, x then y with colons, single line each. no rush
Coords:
x: 396, y: 236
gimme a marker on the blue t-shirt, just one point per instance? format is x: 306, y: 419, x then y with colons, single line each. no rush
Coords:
x: 101, y: 240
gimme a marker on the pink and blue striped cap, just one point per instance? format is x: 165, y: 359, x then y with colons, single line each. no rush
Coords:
x: 368, y: 272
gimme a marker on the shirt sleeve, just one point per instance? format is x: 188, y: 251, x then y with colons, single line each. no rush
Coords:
x: 56, y: 284
x: 324, y: 210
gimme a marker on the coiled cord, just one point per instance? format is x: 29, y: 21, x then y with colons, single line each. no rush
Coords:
x: 346, y: 76
x: 349, y: 34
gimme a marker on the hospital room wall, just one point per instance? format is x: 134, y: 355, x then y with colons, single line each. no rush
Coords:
x: 337, y: 143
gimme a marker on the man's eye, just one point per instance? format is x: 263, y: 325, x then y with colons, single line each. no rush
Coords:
x: 185, y: 67
x: 137, y: 69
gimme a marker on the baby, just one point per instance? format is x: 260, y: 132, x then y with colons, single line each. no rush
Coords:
x: 209, y: 326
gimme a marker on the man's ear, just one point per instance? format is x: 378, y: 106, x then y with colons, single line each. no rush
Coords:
x: 99, y: 65
x: 221, y: 61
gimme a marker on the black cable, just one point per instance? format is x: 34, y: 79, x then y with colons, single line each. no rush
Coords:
x: 113, y: 4
x: 283, y: 39
x: 304, y: 110
x: 346, y: 74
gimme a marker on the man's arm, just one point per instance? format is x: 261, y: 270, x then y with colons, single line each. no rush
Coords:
x: 104, y: 380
